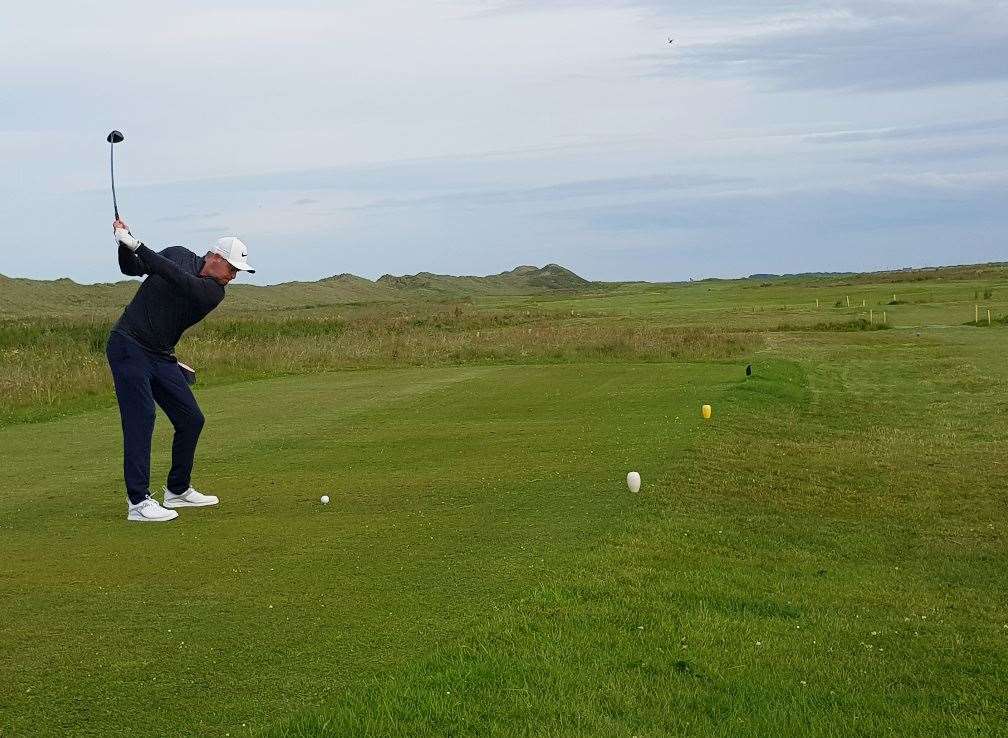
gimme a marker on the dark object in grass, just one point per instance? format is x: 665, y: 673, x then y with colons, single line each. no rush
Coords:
x: 748, y: 370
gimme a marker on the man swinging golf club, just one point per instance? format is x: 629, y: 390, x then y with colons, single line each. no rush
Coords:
x: 180, y: 289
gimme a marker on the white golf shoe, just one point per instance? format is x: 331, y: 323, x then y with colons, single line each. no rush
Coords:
x: 149, y: 511
x: 189, y: 498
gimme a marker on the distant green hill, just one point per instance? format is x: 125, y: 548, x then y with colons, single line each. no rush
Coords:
x: 20, y: 297
x: 957, y: 272
x: 521, y: 280
x: 66, y: 297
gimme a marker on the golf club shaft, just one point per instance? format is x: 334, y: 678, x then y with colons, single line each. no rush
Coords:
x: 115, y: 205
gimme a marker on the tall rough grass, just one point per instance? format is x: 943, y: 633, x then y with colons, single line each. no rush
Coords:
x: 48, y: 368
x: 858, y: 324
x: 51, y: 366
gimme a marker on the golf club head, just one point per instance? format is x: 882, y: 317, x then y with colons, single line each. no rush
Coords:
x: 115, y: 137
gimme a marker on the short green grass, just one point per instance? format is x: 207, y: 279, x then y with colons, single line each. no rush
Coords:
x: 825, y: 556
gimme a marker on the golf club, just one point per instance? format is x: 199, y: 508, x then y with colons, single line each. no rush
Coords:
x: 113, y: 138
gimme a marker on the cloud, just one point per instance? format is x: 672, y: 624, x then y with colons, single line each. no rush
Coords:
x: 415, y: 173
x: 960, y: 153
x: 887, y: 202
x: 610, y: 187
x: 882, y: 45
x: 208, y: 229
x: 186, y: 217
x: 952, y: 128
x: 490, y: 8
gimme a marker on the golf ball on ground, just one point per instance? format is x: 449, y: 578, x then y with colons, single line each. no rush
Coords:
x: 633, y: 481
x: 325, y: 499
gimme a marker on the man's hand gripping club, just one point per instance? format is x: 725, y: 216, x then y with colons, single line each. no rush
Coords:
x: 123, y: 236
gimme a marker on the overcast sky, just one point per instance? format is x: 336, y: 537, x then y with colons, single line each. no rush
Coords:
x: 470, y: 137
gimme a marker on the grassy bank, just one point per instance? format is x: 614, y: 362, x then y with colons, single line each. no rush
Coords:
x: 51, y: 367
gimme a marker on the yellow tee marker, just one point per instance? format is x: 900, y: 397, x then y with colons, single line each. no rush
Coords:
x: 706, y: 412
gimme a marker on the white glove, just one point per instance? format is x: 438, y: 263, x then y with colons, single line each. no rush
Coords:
x: 124, y: 238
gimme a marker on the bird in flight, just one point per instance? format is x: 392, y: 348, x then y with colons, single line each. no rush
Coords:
x: 671, y: 40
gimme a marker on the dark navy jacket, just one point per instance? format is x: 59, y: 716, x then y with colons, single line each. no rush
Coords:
x: 172, y: 298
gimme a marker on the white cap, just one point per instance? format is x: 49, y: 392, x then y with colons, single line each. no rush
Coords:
x: 235, y: 252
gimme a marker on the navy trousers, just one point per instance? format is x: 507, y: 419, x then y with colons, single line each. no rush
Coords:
x: 141, y: 379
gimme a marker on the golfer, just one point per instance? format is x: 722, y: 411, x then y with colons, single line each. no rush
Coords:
x: 181, y: 288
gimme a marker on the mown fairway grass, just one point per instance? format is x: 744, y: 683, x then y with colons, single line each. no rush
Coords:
x: 827, y: 556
